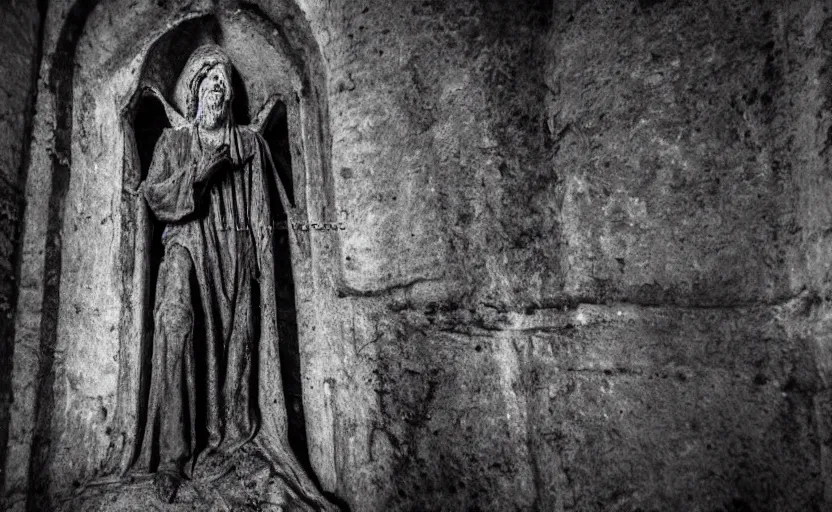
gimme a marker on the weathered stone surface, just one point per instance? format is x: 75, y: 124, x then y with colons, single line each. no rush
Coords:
x: 19, y: 45
x: 670, y: 139
x: 596, y: 407
x: 660, y: 177
x: 585, y: 264
x: 18, y: 58
x: 438, y: 148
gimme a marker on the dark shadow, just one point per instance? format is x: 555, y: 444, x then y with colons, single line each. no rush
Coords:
x: 149, y: 120
x: 276, y: 133
x: 239, y: 103
x: 336, y: 500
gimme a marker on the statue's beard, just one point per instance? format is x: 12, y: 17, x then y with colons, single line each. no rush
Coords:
x: 211, y: 114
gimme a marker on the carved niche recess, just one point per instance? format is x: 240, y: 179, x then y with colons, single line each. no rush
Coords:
x: 272, y: 98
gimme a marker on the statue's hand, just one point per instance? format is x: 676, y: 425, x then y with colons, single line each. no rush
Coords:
x: 215, y: 161
x: 220, y: 153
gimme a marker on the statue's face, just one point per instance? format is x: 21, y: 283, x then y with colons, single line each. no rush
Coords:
x: 213, y: 98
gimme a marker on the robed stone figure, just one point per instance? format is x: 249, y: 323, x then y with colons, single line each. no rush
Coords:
x: 215, y: 381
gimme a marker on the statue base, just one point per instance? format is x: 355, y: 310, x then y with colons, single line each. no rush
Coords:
x: 244, y: 481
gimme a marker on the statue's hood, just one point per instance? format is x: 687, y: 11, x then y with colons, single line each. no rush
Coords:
x: 186, y: 94
x: 187, y: 87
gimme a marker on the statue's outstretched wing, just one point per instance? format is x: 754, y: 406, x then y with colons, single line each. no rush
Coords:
x: 260, y: 121
x: 175, y: 119
x: 263, y: 124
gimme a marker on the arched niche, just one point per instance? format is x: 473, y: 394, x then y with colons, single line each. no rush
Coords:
x: 109, y: 111
x: 271, y: 83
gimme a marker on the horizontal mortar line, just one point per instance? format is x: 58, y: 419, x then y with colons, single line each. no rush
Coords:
x: 344, y: 290
x: 612, y: 370
x: 572, y: 305
x: 561, y: 316
x: 475, y: 326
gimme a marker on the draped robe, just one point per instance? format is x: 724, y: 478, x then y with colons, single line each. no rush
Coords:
x: 212, y: 377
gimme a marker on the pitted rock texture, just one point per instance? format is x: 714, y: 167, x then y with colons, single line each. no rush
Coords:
x: 585, y: 264
x: 440, y: 149
x: 599, y: 407
x: 673, y: 123
x: 19, y: 45
x: 18, y: 59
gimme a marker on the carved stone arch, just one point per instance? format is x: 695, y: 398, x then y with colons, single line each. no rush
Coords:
x: 86, y: 124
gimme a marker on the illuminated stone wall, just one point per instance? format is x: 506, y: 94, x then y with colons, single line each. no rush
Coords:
x: 582, y: 262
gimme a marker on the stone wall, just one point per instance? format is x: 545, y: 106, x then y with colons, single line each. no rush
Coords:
x: 584, y: 265
x: 19, y: 47
x: 576, y: 276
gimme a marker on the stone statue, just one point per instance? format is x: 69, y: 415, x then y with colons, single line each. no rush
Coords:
x: 215, y: 388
